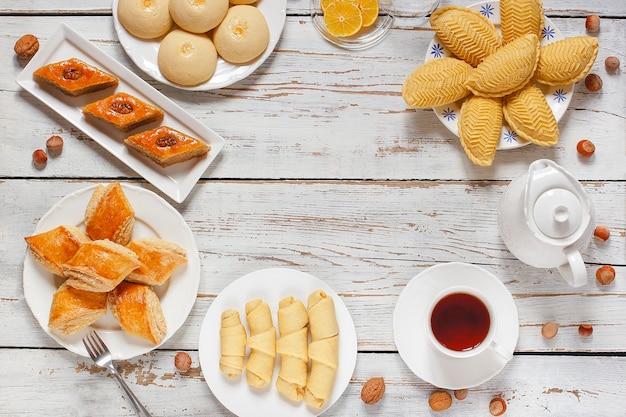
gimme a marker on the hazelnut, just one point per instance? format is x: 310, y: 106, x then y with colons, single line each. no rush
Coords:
x: 592, y: 23
x: 593, y: 82
x: 585, y: 330
x: 373, y: 390
x: 460, y: 394
x: 497, y: 407
x: 27, y: 46
x: 54, y: 144
x: 549, y: 330
x: 40, y: 159
x: 182, y: 361
x: 611, y: 63
x: 605, y: 274
x: 440, y: 400
x: 601, y: 233
x: 586, y: 148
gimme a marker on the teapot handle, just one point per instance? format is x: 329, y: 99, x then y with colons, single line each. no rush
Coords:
x: 574, y: 271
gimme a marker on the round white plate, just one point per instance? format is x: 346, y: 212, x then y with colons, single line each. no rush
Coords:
x: 271, y: 285
x: 154, y: 217
x: 558, y: 97
x: 421, y: 356
x: 144, y: 52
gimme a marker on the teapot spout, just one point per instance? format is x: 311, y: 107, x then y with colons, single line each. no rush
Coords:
x: 574, y: 271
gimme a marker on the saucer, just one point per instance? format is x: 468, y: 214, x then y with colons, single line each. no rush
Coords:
x: 421, y: 356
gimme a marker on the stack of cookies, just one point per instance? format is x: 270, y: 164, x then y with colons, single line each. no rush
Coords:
x: 496, y: 73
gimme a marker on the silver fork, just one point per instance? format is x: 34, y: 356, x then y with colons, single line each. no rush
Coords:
x: 101, y: 355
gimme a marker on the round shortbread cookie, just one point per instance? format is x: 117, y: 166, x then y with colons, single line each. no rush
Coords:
x: 198, y: 16
x: 243, y: 35
x: 147, y: 19
x: 187, y: 58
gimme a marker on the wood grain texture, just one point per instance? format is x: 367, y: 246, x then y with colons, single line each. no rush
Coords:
x: 327, y: 170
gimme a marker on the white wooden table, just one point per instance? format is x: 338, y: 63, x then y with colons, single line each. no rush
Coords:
x: 326, y: 170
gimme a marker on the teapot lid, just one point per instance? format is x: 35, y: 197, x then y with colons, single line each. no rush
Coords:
x: 558, y: 213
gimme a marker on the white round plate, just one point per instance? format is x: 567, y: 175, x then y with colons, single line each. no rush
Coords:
x: 413, y: 344
x: 271, y: 285
x: 144, y: 52
x: 558, y: 97
x: 154, y: 217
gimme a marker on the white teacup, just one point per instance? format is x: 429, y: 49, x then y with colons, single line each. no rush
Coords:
x: 461, y: 323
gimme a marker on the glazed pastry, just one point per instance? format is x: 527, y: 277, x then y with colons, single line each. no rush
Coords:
x: 243, y: 35
x: 437, y: 82
x: 74, y: 77
x: 73, y: 309
x: 137, y: 309
x: 167, y: 146
x: 323, y: 349
x: 55, y: 247
x: 159, y: 259
x: 480, y: 125
x: 262, y: 344
x: 232, y: 344
x: 99, y: 266
x: 530, y: 115
x: 506, y: 70
x: 124, y: 111
x: 109, y: 214
x: 292, y: 348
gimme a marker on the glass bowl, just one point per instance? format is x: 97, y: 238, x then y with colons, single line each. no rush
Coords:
x: 389, y: 12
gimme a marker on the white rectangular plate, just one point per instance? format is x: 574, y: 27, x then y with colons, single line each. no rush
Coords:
x: 175, y: 181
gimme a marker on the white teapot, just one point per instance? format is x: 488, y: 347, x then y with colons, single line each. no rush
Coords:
x: 546, y: 219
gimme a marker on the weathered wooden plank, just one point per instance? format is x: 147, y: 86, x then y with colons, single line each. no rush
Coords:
x: 531, y: 385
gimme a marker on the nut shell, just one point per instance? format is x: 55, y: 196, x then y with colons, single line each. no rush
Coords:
x: 440, y: 400
x: 497, y: 407
x: 27, y: 46
x: 182, y: 361
x: 373, y: 390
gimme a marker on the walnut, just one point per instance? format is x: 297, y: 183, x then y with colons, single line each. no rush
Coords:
x: 165, y: 141
x: 440, y: 400
x: 373, y: 390
x: 27, y: 46
x: 72, y: 73
x: 122, y: 107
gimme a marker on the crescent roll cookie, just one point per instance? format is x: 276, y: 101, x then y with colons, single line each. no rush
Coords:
x: 507, y: 70
x: 323, y: 349
x: 519, y: 18
x: 262, y: 344
x: 232, y: 343
x: 529, y: 114
x: 292, y: 348
x: 468, y: 34
x: 566, y: 61
x: 480, y: 124
x: 437, y: 82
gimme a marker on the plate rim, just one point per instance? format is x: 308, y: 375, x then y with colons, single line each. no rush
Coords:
x: 209, y: 354
x: 491, y: 364
x: 176, y: 181
x: 518, y: 142
x: 146, y: 204
x: 130, y: 44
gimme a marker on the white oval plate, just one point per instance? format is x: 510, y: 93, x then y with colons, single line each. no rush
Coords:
x: 144, y: 52
x: 558, y: 97
x: 154, y: 217
x: 421, y: 356
x: 271, y: 285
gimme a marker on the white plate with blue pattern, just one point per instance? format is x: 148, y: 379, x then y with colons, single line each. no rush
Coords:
x: 558, y: 97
